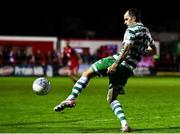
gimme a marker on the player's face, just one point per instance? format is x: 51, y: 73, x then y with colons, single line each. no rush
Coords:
x: 128, y: 20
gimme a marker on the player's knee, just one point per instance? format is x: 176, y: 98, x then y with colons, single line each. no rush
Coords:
x: 110, y: 96
x: 85, y: 74
x: 113, y: 93
x: 109, y: 100
x: 88, y: 73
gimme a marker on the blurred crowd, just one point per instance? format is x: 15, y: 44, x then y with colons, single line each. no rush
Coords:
x: 24, y: 56
x: 10, y: 55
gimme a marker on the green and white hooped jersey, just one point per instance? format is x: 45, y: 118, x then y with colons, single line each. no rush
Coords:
x: 140, y: 37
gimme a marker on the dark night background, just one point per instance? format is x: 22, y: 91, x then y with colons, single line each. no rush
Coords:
x: 100, y: 19
x: 69, y: 20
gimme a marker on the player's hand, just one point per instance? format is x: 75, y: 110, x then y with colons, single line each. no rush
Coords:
x: 112, y: 68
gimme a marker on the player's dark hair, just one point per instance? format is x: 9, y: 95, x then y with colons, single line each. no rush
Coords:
x: 136, y: 13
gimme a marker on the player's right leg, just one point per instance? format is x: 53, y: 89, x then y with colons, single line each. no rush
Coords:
x: 64, y: 104
x: 98, y: 68
x: 76, y: 90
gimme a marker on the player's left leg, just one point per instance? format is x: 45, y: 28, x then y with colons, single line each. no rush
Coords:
x: 116, y: 84
x: 117, y: 107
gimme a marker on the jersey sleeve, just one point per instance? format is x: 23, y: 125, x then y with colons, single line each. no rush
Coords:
x: 129, y: 37
x: 151, y: 41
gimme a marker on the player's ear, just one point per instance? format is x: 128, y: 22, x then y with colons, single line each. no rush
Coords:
x: 134, y: 18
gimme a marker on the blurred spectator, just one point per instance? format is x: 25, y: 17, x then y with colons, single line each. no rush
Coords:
x: 146, y: 61
x: 48, y: 58
x: 168, y: 60
x: 29, y: 55
x: 86, y: 56
x: 1, y: 58
x: 20, y: 57
x: 6, y: 51
x: 55, y: 58
x: 103, y: 52
x: 38, y: 57
x: 12, y: 57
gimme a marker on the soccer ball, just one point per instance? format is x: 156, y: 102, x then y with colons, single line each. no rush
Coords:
x: 41, y: 86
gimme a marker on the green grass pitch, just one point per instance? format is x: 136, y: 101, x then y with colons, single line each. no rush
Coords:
x: 151, y: 104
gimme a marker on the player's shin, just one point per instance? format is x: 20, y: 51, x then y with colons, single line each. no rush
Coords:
x: 78, y: 87
x: 118, y: 111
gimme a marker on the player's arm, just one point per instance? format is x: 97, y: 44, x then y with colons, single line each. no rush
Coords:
x: 151, y: 50
x: 121, y: 57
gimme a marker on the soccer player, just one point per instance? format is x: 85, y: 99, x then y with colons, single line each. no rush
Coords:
x: 73, y: 62
x: 137, y: 42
